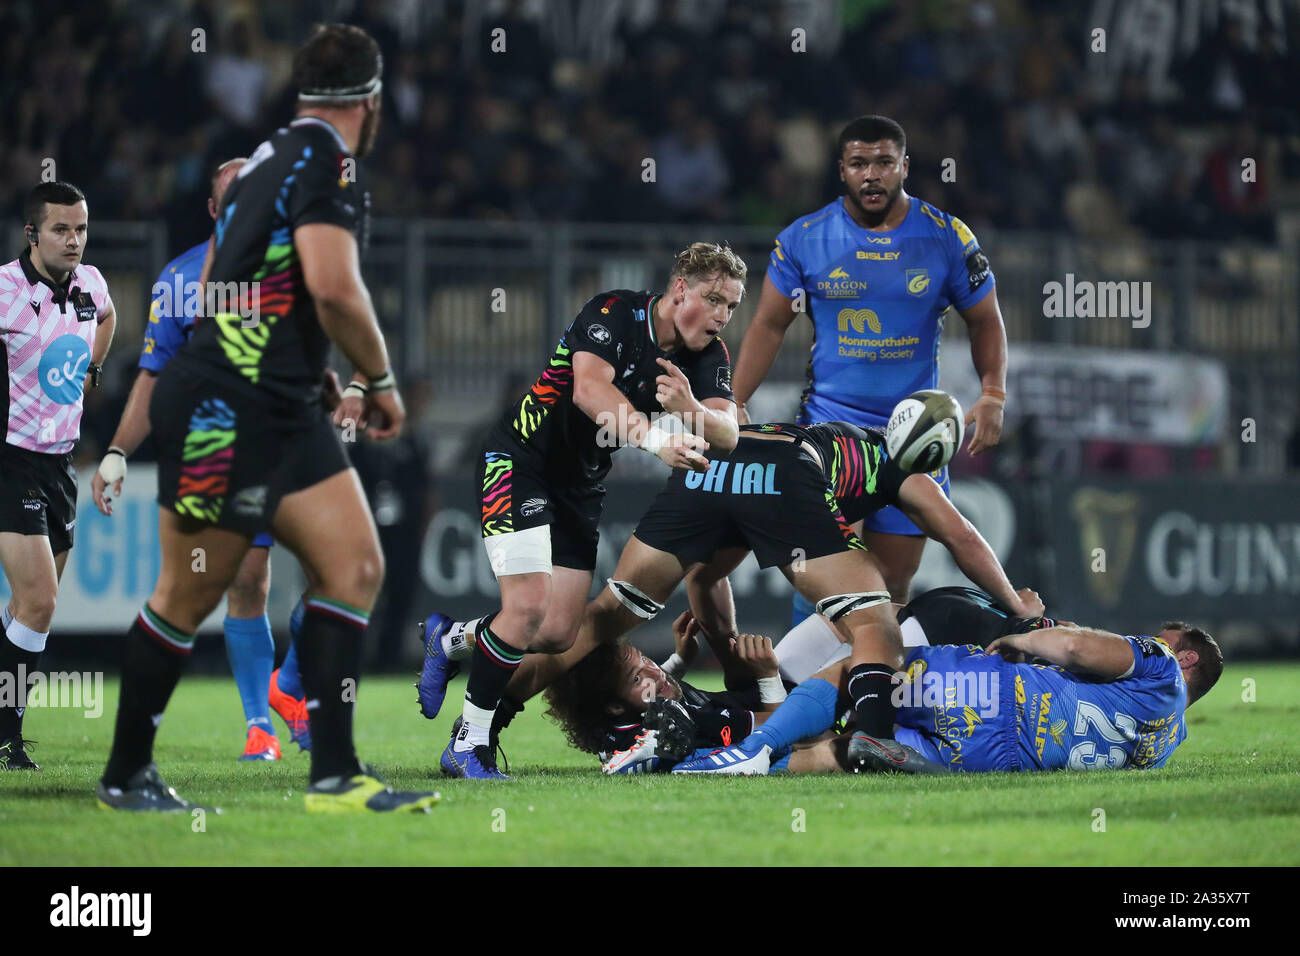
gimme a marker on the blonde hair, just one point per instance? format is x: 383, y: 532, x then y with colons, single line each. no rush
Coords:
x: 708, y: 260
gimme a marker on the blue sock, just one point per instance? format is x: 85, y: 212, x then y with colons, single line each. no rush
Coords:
x: 288, y: 680
x: 808, y: 711
x: 251, y: 650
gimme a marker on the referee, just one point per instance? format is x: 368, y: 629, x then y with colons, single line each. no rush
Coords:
x: 56, y: 324
x: 877, y: 270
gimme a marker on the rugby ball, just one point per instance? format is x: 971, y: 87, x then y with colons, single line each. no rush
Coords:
x: 924, y: 431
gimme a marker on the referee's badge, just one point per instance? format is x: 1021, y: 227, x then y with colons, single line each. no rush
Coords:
x: 84, y: 304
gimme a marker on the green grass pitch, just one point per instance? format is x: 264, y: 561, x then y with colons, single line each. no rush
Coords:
x: 1230, y: 796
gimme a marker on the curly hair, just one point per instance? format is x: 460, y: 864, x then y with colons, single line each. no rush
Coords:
x: 580, y: 699
x: 707, y: 260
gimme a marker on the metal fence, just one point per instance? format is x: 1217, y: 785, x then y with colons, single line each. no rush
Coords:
x: 466, y: 304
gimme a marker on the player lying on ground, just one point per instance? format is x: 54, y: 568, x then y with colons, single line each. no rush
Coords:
x: 601, y: 702
x: 788, y: 494
x: 1045, y: 698
x: 626, y: 356
x: 615, y: 702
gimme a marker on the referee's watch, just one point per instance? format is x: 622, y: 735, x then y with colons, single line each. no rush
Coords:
x: 95, y: 372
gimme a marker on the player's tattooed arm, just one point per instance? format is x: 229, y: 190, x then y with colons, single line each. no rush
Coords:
x: 714, y: 419
x: 1083, y: 650
x: 988, y: 350
x: 925, y: 503
x: 763, y: 338
x: 621, y: 424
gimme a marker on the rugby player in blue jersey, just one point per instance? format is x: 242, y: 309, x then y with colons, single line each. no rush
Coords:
x: 876, y: 271
x: 249, y: 643
x: 1047, y: 696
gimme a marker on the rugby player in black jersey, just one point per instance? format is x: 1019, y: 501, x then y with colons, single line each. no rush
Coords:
x: 601, y: 702
x: 791, y: 494
x: 627, y: 356
x: 244, y: 442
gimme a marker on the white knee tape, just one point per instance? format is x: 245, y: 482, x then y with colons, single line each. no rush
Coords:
x: 837, y: 605
x: 810, y: 646
x: 635, y: 600
x: 520, y: 552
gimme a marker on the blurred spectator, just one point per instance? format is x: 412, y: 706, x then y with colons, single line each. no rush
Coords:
x: 1243, y: 204
x: 734, y: 113
x: 691, y: 172
x: 238, y: 80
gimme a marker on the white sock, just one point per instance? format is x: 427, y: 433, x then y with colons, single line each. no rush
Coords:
x: 475, y: 728
x: 455, y: 643
x: 20, y: 635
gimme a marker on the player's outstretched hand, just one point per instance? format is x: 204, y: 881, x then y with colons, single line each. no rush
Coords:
x: 673, y: 389
x: 111, y: 471
x: 686, y: 641
x: 987, y: 416
x: 757, y: 653
x: 1006, y: 646
x: 683, y: 450
x: 384, y: 414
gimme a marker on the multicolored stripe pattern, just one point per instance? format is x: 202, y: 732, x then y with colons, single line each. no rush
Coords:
x: 851, y: 540
x: 166, y: 635
x: 854, y: 467
x: 207, y: 458
x: 497, y: 650
x: 338, y: 610
x: 555, y: 382
x: 273, y: 288
x: 498, y: 516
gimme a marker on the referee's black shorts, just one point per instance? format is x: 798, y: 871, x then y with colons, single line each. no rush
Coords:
x: 768, y: 495
x: 38, y: 494
x: 226, y: 458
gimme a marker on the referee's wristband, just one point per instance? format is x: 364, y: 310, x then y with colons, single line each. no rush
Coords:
x: 356, y: 390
